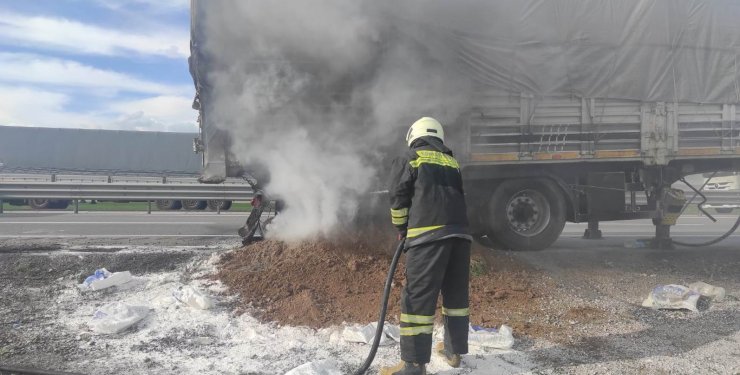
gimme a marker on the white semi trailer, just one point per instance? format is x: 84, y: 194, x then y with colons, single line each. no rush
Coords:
x: 579, y: 111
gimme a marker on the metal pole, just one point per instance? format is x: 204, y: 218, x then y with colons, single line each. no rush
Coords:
x: 592, y: 232
x: 149, y: 210
x: 1, y: 206
x: 77, y: 206
x: 218, y: 209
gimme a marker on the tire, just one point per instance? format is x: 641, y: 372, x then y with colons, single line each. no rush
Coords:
x: 526, y: 214
x: 213, y: 205
x: 724, y: 210
x: 191, y: 205
x: 40, y: 204
x: 166, y: 205
x: 59, y: 205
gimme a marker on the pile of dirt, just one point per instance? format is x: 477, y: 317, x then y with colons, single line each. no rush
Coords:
x: 325, y: 282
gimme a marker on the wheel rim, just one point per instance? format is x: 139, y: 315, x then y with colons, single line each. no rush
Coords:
x: 528, y: 212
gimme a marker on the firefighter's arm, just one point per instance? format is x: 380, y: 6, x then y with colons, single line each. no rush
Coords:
x: 401, y: 190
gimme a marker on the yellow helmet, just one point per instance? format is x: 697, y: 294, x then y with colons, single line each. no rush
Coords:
x: 425, y: 126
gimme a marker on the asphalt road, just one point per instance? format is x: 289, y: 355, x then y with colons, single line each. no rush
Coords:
x: 188, y: 228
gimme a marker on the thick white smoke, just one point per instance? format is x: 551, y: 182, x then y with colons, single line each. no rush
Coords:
x: 314, y: 90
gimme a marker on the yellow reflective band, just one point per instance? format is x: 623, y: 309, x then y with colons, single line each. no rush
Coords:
x: 416, y: 232
x: 434, y: 157
x: 456, y: 312
x: 401, y: 212
x: 420, y: 330
x: 417, y: 319
x: 399, y: 220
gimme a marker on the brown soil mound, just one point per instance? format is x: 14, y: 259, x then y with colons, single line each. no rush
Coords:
x: 324, y: 282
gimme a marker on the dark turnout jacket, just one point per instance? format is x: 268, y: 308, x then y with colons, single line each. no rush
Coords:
x: 426, y: 194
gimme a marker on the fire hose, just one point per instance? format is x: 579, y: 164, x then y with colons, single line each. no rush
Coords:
x: 718, y: 239
x: 383, y: 309
x: 714, y: 241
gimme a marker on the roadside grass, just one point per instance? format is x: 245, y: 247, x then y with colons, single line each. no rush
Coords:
x: 478, y: 268
x: 118, y: 206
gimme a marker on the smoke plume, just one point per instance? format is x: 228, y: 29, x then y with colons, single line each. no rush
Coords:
x: 317, y: 91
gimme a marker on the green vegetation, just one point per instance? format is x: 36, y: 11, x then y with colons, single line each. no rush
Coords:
x: 117, y: 206
x: 478, y: 268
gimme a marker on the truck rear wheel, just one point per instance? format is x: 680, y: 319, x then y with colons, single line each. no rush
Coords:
x: 39, y: 204
x: 166, y: 205
x: 214, y: 204
x: 59, y: 204
x: 192, y: 205
x: 526, y: 214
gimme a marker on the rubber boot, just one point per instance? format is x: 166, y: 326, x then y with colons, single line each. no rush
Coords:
x: 452, y: 359
x: 404, y: 368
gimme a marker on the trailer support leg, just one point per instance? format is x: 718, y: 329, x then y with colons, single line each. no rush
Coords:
x: 662, y: 238
x: 149, y: 207
x: 592, y: 232
x: 77, y: 206
x: 1, y: 207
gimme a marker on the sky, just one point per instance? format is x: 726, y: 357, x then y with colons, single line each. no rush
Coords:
x: 96, y: 64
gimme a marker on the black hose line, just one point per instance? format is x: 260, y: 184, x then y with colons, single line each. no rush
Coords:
x: 714, y: 241
x: 29, y: 371
x: 383, y: 310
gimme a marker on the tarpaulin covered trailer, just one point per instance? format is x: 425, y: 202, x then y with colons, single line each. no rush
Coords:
x: 571, y: 103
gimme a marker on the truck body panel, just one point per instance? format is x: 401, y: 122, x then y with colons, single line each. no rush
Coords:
x: 572, y: 103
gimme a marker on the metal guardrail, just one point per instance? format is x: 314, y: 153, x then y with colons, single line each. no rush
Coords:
x: 27, y: 186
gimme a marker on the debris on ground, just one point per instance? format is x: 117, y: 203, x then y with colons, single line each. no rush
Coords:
x: 637, y: 244
x: 544, y: 293
x: 501, y: 338
x: 327, y: 282
x: 117, y: 317
x: 193, y: 297
x: 366, y: 334
x: 672, y: 297
x: 325, y: 367
x: 103, y: 279
x: 714, y: 293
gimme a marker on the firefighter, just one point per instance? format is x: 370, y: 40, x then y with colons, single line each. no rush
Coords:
x: 428, y: 209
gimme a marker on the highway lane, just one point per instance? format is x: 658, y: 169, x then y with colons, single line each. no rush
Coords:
x: 184, y: 227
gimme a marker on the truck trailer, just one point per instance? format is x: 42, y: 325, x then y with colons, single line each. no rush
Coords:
x: 577, y: 110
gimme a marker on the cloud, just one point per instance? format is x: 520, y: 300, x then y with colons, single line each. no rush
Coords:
x: 25, y: 106
x: 73, y: 36
x: 29, y: 106
x: 166, y: 113
x: 42, y: 70
x: 156, y: 5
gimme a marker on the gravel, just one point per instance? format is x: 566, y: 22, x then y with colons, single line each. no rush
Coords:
x: 596, y: 300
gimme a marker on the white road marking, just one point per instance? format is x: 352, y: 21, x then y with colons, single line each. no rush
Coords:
x: 118, y: 235
x: 108, y: 222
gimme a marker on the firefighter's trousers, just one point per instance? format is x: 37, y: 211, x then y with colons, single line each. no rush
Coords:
x: 444, y: 266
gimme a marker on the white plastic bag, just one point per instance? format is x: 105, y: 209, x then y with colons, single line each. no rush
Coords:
x: 366, y: 334
x: 193, y: 297
x: 715, y: 293
x: 325, y: 367
x: 502, y: 338
x: 116, y: 317
x: 103, y: 279
x: 672, y: 297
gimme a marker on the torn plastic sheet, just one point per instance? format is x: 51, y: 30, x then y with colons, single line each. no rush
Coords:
x: 501, y: 338
x: 116, y: 317
x: 672, y: 297
x: 325, y: 367
x: 366, y: 334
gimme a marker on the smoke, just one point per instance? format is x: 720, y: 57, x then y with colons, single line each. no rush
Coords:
x: 316, y: 91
